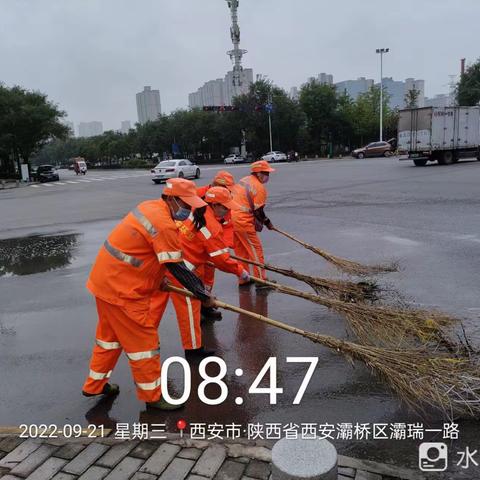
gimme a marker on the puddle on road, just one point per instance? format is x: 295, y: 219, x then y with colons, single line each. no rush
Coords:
x: 36, y: 253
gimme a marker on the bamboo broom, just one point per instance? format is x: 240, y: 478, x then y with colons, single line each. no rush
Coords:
x: 383, y: 325
x: 421, y: 379
x: 348, y: 266
x: 341, y: 289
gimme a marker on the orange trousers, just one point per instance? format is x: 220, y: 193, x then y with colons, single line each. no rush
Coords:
x: 133, y: 328
x: 247, y: 244
x: 188, y: 317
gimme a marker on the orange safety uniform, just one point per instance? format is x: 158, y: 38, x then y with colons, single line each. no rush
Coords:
x: 125, y: 280
x: 227, y: 226
x: 247, y: 244
x: 199, y: 248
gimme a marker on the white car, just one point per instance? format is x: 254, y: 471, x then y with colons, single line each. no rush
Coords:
x: 275, y: 156
x: 181, y: 168
x: 234, y: 158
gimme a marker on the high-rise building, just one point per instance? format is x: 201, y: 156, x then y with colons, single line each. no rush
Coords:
x: 354, y: 88
x: 90, y: 129
x: 398, y: 89
x: 221, y: 91
x: 325, y: 79
x: 148, y: 105
x: 440, y: 100
x: 126, y: 126
x: 71, y: 126
x: 294, y: 93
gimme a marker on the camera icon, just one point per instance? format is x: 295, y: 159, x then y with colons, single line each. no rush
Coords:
x: 433, y: 457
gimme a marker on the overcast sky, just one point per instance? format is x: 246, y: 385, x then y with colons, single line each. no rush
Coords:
x: 92, y: 56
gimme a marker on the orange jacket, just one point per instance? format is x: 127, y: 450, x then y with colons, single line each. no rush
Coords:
x: 249, y: 185
x: 226, y: 222
x: 131, y: 263
x: 206, y: 245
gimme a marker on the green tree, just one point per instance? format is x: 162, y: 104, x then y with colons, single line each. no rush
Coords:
x: 468, y: 88
x: 28, y: 120
x: 411, y: 98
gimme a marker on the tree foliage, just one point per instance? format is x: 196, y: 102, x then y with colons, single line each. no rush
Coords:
x: 468, y: 88
x: 28, y: 120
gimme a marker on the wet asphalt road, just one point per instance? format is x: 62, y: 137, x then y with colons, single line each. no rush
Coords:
x: 369, y: 210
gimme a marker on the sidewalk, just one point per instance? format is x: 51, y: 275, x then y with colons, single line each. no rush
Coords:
x: 172, y: 459
x: 9, y: 184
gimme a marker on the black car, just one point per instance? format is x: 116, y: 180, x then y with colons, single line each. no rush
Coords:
x: 46, y: 173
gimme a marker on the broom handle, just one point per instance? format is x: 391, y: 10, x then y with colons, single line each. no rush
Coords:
x: 291, y: 237
x: 235, y: 309
x: 251, y: 262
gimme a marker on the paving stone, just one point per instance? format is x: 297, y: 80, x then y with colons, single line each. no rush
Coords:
x: 69, y: 451
x: 10, y: 477
x: 20, y: 453
x: 210, y: 461
x: 158, y: 462
x: 86, y: 458
x: 143, y: 476
x: 343, y: 477
x: 260, y: 470
x: 194, y: 477
x: 144, y: 449
x: 190, y: 453
x: 95, y: 473
x: 230, y: 470
x: 2, y: 454
x: 243, y: 459
x: 34, y: 460
x: 115, y: 454
x: 178, y: 469
x: 248, y: 478
x: 9, y: 443
x: 47, y: 470
x: 125, y: 469
x: 346, y: 471
x: 364, y: 475
x: 63, y: 476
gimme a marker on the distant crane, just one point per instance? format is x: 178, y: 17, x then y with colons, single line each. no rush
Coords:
x: 237, y: 53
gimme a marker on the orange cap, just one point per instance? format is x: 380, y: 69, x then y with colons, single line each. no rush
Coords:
x: 184, y: 189
x: 261, y: 166
x: 225, y: 179
x: 223, y: 196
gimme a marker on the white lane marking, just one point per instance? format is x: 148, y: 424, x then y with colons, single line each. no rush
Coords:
x: 47, y: 184
x: 35, y: 186
x: 401, y: 241
x: 59, y: 183
x: 70, y: 181
x: 85, y: 181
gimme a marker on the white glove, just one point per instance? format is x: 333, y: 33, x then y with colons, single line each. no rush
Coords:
x: 245, y: 276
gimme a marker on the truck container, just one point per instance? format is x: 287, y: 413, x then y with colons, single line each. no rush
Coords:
x: 441, y: 134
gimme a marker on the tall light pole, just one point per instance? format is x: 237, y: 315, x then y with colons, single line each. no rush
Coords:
x: 381, y: 51
x: 269, y: 108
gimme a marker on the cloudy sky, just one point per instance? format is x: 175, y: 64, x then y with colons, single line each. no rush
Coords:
x: 92, y: 56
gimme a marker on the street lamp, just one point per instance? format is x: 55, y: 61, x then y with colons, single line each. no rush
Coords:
x: 381, y: 51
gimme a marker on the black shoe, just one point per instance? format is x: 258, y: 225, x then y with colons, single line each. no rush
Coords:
x: 198, y: 353
x: 162, y: 404
x: 109, y: 390
x: 210, y: 313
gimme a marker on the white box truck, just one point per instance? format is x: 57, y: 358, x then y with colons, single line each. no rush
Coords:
x: 442, y: 134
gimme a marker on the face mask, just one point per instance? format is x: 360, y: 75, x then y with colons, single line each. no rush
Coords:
x: 182, y: 213
x: 264, y: 178
x: 220, y: 212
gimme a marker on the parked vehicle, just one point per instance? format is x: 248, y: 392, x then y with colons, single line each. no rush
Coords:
x: 442, y: 134
x: 181, y: 168
x: 45, y: 173
x: 275, y: 156
x: 80, y: 166
x: 234, y: 158
x: 374, y: 149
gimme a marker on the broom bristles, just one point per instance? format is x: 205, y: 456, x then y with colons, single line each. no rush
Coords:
x: 420, y: 378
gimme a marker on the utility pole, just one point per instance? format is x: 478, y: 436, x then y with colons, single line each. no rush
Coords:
x: 269, y: 108
x: 381, y: 51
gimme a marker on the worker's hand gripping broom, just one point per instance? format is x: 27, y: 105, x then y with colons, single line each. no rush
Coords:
x: 422, y: 379
x: 348, y: 266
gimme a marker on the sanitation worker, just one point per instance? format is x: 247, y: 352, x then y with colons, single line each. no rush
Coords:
x: 252, y: 195
x: 222, y: 179
x: 126, y: 279
x: 201, y: 238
